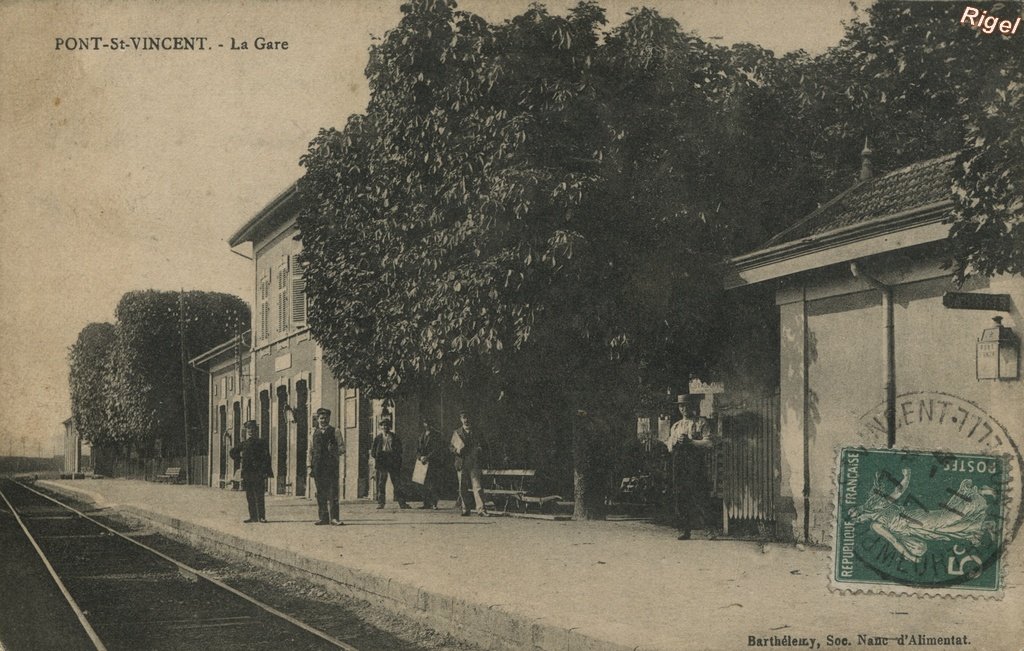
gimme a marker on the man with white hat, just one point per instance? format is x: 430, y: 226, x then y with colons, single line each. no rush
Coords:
x: 688, y: 441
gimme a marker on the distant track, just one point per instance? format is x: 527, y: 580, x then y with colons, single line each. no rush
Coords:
x: 127, y: 595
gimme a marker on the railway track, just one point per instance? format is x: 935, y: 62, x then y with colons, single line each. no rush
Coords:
x: 127, y: 595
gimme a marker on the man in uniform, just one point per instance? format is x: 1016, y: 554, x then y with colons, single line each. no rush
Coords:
x: 467, y: 446
x: 689, y: 442
x: 324, y: 453
x: 253, y: 454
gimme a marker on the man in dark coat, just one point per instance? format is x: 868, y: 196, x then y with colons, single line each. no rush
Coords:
x: 324, y: 453
x: 467, y: 446
x: 387, y: 453
x: 253, y: 454
x: 691, y: 443
x: 430, y: 450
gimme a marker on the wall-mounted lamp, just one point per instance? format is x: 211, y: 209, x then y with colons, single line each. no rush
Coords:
x: 998, y: 353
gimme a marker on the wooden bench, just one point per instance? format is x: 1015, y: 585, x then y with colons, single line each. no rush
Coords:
x: 171, y: 475
x: 514, y: 487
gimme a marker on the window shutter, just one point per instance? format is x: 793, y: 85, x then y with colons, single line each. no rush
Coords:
x: 264, y: 311
x: 298, y: 292
x: 282, y: 295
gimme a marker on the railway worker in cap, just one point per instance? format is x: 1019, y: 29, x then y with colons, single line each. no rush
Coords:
x: 690, y: 442
x: 324, y: 453
x: 253, y: 455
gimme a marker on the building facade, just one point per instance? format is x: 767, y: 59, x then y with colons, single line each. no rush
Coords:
x: 289, y: 380
x: 229, y: 366
x: 878, y: 347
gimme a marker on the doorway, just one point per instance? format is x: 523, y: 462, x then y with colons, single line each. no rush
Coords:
x: 301, y: 414
x: 222, y: 432
x: 282, y: 440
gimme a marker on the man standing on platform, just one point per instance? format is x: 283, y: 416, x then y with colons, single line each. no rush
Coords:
x: 430, y: 452
x: 690, y: 443
x: 254, y: 457
x: 387, y: 453
x: 467, y: 446
x: 323, y: 467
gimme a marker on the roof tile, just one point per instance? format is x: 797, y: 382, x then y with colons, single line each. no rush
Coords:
x: 923, y: 183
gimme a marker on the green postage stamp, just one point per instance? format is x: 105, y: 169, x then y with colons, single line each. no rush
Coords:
x: 919, y: 522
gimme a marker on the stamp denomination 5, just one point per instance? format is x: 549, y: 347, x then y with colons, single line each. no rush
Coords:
x: 922, y: 522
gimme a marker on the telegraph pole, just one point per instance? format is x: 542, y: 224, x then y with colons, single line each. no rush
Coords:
x: 184, y: 386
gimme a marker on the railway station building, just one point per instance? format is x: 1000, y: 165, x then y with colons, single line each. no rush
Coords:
x: 283, y: 380
x: 878, y: 346
x: 229, y: 367
x: 287, y: 380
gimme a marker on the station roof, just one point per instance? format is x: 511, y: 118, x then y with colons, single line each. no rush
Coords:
x: 220, y: 349
x: 898, y: 209
x: 275, y: 213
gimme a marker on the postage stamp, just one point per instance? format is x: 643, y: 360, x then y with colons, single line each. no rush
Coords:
x: 929, y: 523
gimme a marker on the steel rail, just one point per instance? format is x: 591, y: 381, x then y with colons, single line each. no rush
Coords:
x: 96, y: 641
x: 199, y: 573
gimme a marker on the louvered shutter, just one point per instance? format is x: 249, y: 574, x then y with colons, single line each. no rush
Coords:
x: 282, y: 295
x: 298, y: 292
x: 264, y: 311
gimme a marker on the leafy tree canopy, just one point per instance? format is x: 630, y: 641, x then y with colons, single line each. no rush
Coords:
x: 89, y: 359
x: 537, y: 190
x: 144, y: 395
x: 537, y: 206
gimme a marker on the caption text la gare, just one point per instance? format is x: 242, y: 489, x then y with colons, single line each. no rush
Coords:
x: 259, y: 43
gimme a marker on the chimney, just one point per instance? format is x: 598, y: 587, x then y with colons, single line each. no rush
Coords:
x: 867, y: 170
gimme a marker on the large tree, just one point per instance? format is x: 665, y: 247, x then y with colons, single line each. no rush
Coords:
x: 144, y: 398
x: 89, y: 361
x: 533, y: 208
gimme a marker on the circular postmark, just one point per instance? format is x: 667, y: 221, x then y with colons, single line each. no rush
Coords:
x: 932, y: 420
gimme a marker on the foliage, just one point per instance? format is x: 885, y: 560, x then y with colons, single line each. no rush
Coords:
x: 144, y: 399
x: 88, y: 359
x: 520, y: 203
x: 987, y: 233
x: 905, y: 75
x: 921, y: 85
x: 534, y: 209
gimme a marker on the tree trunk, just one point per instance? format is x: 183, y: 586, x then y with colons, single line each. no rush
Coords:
x: 588, y: 472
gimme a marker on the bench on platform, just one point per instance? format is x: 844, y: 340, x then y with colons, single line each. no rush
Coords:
x: 512, y: 488
x: 171, y: 475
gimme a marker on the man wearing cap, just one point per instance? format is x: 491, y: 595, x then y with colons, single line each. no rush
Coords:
x: 323, y: 467
x: 254, y: 457
x: 689, y: 442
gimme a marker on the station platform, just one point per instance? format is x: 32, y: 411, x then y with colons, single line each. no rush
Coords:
x: 511, y: 583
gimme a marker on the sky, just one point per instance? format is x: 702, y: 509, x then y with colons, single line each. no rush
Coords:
x: 126, y: 170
